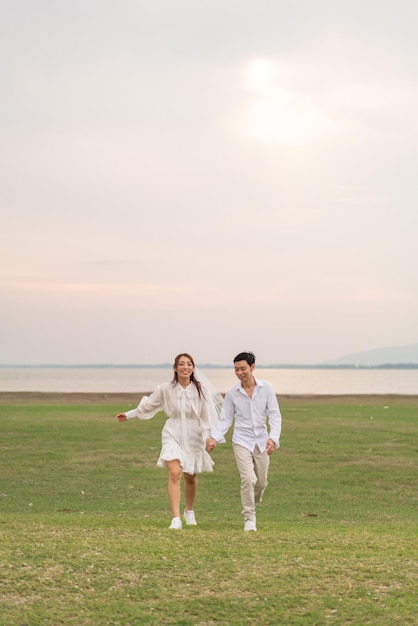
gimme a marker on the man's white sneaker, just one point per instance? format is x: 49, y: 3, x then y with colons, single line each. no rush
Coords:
x: 190, y: 518
x: 176, y: 523
x: 248, y: 525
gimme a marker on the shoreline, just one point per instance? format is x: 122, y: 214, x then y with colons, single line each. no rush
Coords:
x: 41, y: 397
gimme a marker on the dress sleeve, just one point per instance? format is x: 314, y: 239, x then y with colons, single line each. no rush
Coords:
x: 149, y: 406
x: 225, y: 421
x: 210, y: 410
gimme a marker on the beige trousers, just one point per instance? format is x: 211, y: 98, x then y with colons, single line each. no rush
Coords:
x: 253, y: 469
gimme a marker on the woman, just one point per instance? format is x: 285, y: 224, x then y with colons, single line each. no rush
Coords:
x: 192, y: 411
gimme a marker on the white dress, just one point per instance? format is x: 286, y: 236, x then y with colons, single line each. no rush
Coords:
x: 190, y: 419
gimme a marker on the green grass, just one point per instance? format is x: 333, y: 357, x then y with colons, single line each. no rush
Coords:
x: 84, y: 521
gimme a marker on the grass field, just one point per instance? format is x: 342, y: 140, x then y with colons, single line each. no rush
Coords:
x: 84, y: 520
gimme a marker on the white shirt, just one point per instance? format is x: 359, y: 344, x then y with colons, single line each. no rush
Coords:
x: 250, y: 415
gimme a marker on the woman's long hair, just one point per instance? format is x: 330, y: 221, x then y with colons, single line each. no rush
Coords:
x: 193, y: 378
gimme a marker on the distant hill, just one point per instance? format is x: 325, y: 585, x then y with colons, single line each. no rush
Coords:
x: 395, y: 355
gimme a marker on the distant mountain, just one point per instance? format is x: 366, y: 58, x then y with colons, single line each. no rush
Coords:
x: 396, y: 355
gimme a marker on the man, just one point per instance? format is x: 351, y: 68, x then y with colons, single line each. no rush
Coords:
x: 249, y: 403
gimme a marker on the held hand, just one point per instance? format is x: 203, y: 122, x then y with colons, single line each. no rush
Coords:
x: 270, y: 446
x: 210, y: 444
x: 121, y: 417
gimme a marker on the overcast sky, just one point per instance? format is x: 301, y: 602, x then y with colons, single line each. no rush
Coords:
x: 207, y: 176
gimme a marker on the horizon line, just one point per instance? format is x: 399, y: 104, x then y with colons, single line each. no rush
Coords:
x: 207, y: 366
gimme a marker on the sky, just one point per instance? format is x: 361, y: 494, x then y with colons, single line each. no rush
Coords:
x: 207, y: 176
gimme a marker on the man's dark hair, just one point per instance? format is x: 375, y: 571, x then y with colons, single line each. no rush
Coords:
x: 245, y: 356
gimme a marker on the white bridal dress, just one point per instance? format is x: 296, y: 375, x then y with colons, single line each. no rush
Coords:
x: 190, y: 419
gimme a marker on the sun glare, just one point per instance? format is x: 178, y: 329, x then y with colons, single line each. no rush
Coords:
x: 274, y: 113
x: 260, y: 73
x: 277, y: 120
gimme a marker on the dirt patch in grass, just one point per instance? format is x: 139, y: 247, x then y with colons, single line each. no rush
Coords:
x: 38, y: 397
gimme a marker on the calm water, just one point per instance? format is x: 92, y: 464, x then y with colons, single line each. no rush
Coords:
x: 285, y: 381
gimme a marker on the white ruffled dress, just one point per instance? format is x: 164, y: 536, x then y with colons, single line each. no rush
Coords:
x: 189, y: 423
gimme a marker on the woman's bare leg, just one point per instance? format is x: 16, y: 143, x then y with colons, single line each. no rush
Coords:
x: 174, y: 486
x: 190, y: 489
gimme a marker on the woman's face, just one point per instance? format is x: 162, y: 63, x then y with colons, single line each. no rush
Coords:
x: 184, y: 367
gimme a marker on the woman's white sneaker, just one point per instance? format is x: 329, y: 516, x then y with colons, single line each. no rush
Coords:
x: 176, y: 523
x: 190, y: 518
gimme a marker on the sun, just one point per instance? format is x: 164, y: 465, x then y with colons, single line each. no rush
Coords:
x: 275, y: 113
x: 260, y: 73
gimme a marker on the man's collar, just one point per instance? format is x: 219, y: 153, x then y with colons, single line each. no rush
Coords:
x: 258, y: 383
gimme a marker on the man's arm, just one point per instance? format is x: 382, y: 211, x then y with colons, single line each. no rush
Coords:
x: 274, y: 417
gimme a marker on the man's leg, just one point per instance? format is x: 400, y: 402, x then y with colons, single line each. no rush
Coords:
x: 245, y: 464
x: 261, y: 467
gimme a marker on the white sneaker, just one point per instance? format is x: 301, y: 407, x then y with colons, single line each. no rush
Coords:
x: 190, y: 518
x: 176, y: 523
x: 249, y: 525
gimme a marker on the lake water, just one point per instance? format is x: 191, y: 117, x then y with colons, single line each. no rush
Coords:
x: 285, y: 381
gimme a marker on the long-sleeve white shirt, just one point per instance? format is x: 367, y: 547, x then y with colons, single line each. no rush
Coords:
x: 250, y: 415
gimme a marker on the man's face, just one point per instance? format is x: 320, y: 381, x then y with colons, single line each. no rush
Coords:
x: 243, y: 371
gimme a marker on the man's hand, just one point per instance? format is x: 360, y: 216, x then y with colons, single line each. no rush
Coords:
x: 121, y: 417
x: 270, y: 446
x: 210, y: 444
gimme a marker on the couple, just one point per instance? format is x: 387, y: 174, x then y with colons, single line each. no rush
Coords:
x: 194, y: 424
